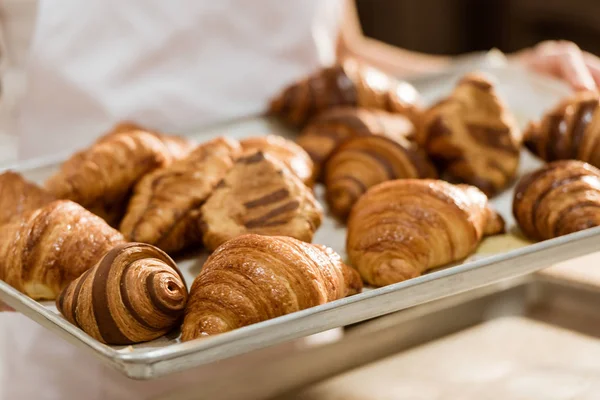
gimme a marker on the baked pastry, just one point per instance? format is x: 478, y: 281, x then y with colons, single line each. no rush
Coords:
x: 331, y: 128
x: 352, y: 84
x: 101, y: 177
x: 164, y: 209
x: 560, y: 198
x: 571, y: 130
x: 473, y: 137
x: 134, y: 293
x: 51, y: 246
x: 286, y: 151
x: 259, y: 195
x: 399, y: 229
x: 253, y: 278
x: 365, y: 161
x: 19, y: 196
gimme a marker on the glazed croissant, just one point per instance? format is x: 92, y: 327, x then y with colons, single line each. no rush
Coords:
x: 134, y: 293
x: 51, y: 246
x: 254, y: 278
x: 259, y: 195
x: 560, y: 198
x: 286, y: 151
x: 165, y: 207
x: 472, y: 136
x: 331, y: 128
x: 18, y: 196
x: 363, y: 162
x: 399, y: 229
x: 569, y: 131
x: 349, y: 84
x: 101, y: 177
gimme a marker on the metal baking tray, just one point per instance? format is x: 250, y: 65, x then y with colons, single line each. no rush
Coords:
x: 498, y: 258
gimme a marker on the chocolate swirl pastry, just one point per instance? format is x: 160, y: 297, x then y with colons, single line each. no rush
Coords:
x: 286, y: 151
x: 569, y: 131
x: 253, y: 278
x: 560, y: 198
x: 363, y: 162
x: 400, y: 229
x: 165, y: 207
x: 326, y: 132
x: 50, y: 247
x: 134, y: 294
x: 101, y: 177
x: 349, y: 84
x: 259, y: 195
x: 18, y: 196
x: 473, y: 137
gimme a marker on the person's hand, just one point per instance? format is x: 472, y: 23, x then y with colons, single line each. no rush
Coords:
x: 566, y: 61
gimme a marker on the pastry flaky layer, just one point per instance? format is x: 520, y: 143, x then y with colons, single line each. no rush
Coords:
x: 19, y: 196
x: 134, y: 293
x: 164, y: 209
x: 560, y: 198
x: 50, y: 247
x: 401, y: 228
x: 101, y: 177
x: 259, y: 195
x: 253, y: 278
x: 472, y: 136
x: 366, y: 161
x: 292, y: 155
x: 324, y: 134
x: 571, y: 130
x: 351, y: 84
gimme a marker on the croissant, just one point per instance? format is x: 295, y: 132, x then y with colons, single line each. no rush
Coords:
x: 349, y: 84
x: 52, y: 246
x: 259, y: 195
x: 18, y: 196
x: 569, y: 131
x: 253, y: 278
x: 472, y: 136
x: 401, y: 228
x: 165, y: 207
x: 101, y: 177
x: 134, y: 293
x: 363, y: 162
x: 560, y: 198
x: 286, y: 151
x: 331, y: 128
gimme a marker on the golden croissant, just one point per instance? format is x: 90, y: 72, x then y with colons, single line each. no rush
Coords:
x: 254, y: 278
x: 569, y: 131
x: 259, y: 195
x: 101, y: 177
x: 351, y: 84
x: 399, y: 229
x: 19, y: 196
x: 363, y: 162
x: 560, y: 198
x: 286, y: 151
x: 51, y: 246
x: 473, y: 137
x: 164, y: 209
x: 134, y: 293
x: 325, y: 133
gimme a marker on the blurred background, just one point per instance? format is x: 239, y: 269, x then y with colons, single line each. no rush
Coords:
x: 460, y: 26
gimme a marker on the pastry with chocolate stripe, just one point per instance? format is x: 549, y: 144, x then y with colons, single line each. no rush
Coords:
x: 259, y: 195
x: 472, y: 136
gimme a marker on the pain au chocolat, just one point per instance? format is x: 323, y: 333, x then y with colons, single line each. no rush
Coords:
x: 351, y: 84
x: 472, y: 136
x: 400, y: 229
x: 560, y: 198
x: 259, y: 195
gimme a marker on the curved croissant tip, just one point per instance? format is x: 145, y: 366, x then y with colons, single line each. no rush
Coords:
x: 207, y: 326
